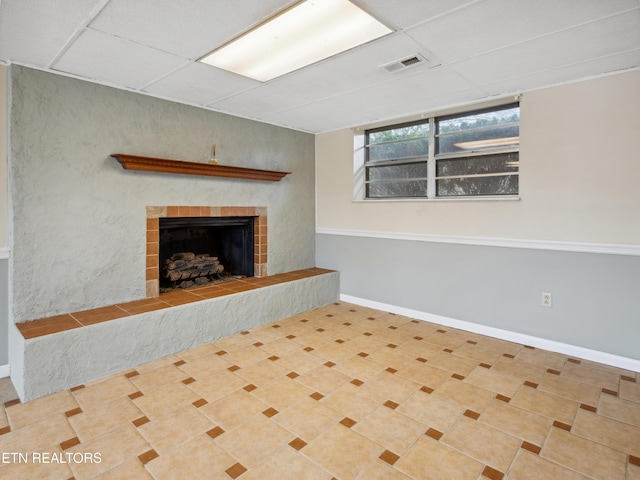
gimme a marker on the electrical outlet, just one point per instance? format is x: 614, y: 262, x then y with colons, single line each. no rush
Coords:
x: 546, y: 299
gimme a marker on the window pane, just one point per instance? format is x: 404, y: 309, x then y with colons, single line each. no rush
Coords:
x: 480, y: 131
x: 403, y: 142
x: 502, y: 185
x: 397, y: 172
x: 411, y: 188
x: 502, y: 163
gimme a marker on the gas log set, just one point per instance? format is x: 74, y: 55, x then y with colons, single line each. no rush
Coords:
x: 186, y: 269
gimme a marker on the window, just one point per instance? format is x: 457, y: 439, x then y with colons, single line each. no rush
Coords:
x: 470, y: 154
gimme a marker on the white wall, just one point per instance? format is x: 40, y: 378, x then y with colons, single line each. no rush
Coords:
x: 4, y: 235
x: 579, y: 196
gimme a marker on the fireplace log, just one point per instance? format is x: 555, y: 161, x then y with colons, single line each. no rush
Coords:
x: 187, y: 265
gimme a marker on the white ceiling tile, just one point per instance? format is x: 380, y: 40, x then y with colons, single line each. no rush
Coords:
x: 97, y: 55
x: 403, y: 14
x: 189, y: 28
x: 260, y: 101
x: 493, y: 24
x: 605, y: 37
x: 200, y: 84
x: 74, y: 11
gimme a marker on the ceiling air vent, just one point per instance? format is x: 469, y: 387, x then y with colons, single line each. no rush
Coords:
x: 405, y: 63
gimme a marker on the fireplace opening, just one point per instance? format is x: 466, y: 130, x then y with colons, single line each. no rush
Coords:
x: 203, y: 250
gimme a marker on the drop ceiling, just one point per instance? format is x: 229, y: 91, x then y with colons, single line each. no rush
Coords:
x: 474, y: 50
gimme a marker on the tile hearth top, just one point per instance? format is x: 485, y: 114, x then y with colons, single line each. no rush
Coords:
x: 60, y: 323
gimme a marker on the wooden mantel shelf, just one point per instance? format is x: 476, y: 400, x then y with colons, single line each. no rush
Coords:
x: 150, y: 164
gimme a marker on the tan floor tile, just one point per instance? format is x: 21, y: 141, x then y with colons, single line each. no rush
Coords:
x: 132, y: 469
x: 529, y: 466
x: 26, y: 467
x: 204, y: 366
x: 200, y: 351
x: 451, y: 339
x: 431, y: 411
x: 175, y: 428
x: 218, y: 385
x: 246, y: 356
x: 102, y: 391
x: 391, y: 357
x: 487, y: 445
x: 308, y: 418
x: 546, y: 404
x: 234, y: 409
x: 584, y: 456
x: 619, y: 409
x: 630, y: 391
x: 161, y: 402
x: 38, y: 436
x: 570, y: 388
x: 359, y: 367
x: 392, y: 387
x: 393, y: 430
x: 104, y: 417
x: 353, y: 402
x: 254, y: 440
x: 342, y: 452
x: 464, y: 394
x: 161, y: 362
x: 423, y: 373
x: 159, y: 378
x: 454, y: 363
x: 24, y: 414
x: 282, y: 393
x: 323, y: 379
x: 199, y: 458
x: 498, y: 345
x: 517, y: 422
x: 336, y: 352
x: 381, y: 470
x: 614, y: 434
x: 600, y: 378
x: 544, y: 358
x: 115, y: 447
x: 301, y: 362
x: 431, y: 460
x: 314, y: 339
x: 233, y: 343
x: 282, y: 347
x: 262, y: 372
x: 284, y: 464
x: 479, y: 353
x: 493, y: 381
x: 524, y: 371
x: 364, y: 342
x: 633, y: 472
x: 606, y: 368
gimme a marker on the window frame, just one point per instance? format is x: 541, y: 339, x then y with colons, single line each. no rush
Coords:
x: 433, y: 156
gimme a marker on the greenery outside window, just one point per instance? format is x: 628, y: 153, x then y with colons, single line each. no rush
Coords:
x: 470, y: 154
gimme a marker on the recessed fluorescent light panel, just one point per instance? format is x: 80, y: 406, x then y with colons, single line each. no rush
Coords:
x: 304, y: 34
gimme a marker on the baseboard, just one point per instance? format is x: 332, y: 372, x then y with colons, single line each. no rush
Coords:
x: 5, y: 371
x: 551, y: 345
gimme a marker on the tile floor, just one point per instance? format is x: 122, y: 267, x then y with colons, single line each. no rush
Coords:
x: 342, y: 392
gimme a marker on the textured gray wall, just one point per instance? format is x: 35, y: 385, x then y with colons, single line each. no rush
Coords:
x: 79, y: 219
x: 596, y: 301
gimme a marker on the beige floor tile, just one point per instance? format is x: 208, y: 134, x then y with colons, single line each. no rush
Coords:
x: 175, y: 428
x: 24, y: 414
x: 204, y: 366
x: 161, y: 362
x: 630, y: 391
x: 570, y: 388
x: 216, y: 386
x: 263, y: 372
x: 606, y: 368
x: 423, y: 373
x: 584, y: 456
x: 359, y: 367
x: 529, y: 466
x: 197, y: 459
x: 234, y: 409
x: 7, y: 391
x: 254, y: 440
x: 524, y: 371
x: 544, y: 358
x: 246, y: 356
x: 381, y: 470
x: 198, y: 352
x: 592, y: 376
x: 233, y: 343
x: 353, y: 402
x: 391, y: 357
x: 38, y: 436
x: 454, y: 363
x: 479, y: 353
x: 391, y: 386
x: 546, y: 404
x: 498, y: 345
x: 266, y: 334
x: 284, y: 464
x: 115, y: 447
x: 282, y: 347
x: 41, y: 467
x: 451, y: 339
x: 633, y: 472
x: 614, y: 434
x: 301, y: 362
x: 419, y: 347
x: 314, y: 339
x: 159, y: 378
x: 619, y: 409
x: 336, y: 352
x: 104, y: 417
x: 516, y: 421
x: 308, y: 418
x: 323, y: 379
x: 364, y: 343
x: 464, y: 394
x: 493, y: 381
x: 431, y: 460
x: 393, y: 430
x: 342, y: 452
x: 133, y: 469
x: 487, y: 445
x: 431, y: 411
x: 161, y: 402
x: 282, y: 392
x: 96, y: 393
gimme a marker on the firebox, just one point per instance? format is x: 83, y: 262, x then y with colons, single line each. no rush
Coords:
x: 199, y: 250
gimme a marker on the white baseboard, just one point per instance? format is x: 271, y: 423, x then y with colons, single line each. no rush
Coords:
x: 626, y: 363
x: 5, y: 371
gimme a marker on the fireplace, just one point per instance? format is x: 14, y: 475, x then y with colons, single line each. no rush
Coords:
x: 200, y: 250
x: 207, y: 228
